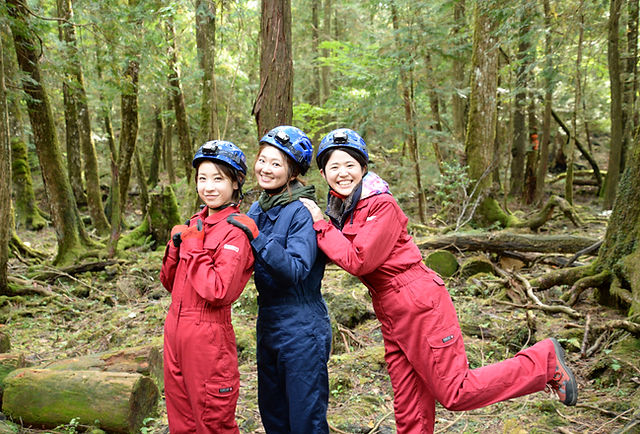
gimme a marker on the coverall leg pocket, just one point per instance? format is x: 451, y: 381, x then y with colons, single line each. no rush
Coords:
x: 221, y: 397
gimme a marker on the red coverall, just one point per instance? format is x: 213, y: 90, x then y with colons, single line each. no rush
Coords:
x: 424, y: 351
x: 201, y: 377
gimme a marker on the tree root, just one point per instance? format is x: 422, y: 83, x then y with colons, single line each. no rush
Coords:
x: 544, y: 215
x: 21, y: 250
x: 594, y: 281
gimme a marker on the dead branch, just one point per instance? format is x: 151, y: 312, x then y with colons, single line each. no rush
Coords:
x: 53, y: 273
x: 563, y: 309
x: 614, y: 324
x: 585, y: 338
x: 589, y: 250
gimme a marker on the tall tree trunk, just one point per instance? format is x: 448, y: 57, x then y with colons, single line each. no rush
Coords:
x: 615, y: 146
x: 156, y: 151
x: 531, y: 155
x: 315, y: 41
x: 6, y: 226
x: 518, y: 147
x: 273, y: 104
x: 458, y: 103
x: 543, y: 155
x: 629, y: 90
x: 568, y: 183
x: 79, y: 98
x: 481, y: 126
x: 405, y: 70
x: 66, y: 219
x: 72, y: 140
x: 175, y: 86
x: 205, y: 39
x: 325, y: 71
x: 168, y: 144
x: 434, y: 104
x: 27, y: 212
x: 142, y: 183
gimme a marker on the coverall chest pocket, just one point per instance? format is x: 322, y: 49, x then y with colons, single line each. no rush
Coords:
x: 211, y: 243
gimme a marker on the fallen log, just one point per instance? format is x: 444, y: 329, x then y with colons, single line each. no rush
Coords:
x: 115, y: 401
x: 501, y: 241
x: 8, y: 364
x: 145, y: 360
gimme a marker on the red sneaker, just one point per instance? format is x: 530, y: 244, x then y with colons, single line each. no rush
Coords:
x: 563, y: 382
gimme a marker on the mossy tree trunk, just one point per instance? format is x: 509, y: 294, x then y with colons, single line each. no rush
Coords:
x: 129, y: 128
x: 175, y: 86
x: 481, y: 124
x: 27, y: 212
x: 78, y: 98
x: 615, y: 146
x: 206, y: 44
x: 6, y: 226
x: 167, y: 144
x: 620, y: 252
x: 69, y: 229
x: 273, y: 105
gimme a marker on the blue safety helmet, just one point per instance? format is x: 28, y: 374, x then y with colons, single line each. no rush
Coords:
x: 293, y: 142
x: 221, y: 151
x: 343, y: 138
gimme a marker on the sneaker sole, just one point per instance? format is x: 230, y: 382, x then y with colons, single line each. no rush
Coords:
x: 571, y: 398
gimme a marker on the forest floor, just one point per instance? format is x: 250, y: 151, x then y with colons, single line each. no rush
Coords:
x: 125, y: 305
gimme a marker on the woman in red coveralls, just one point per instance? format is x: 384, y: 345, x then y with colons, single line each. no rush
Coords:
x: 425, y: 355
x: 206, y: 266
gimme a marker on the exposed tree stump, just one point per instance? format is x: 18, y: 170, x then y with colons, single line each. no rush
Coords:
x: 145, y: 360
x: 442, y: 262
x: 475, y: 265
x: 48, y: 398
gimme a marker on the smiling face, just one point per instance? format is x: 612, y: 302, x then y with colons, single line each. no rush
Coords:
x: 271, y: 168
x: 342, y: 172
x: 214, y: 187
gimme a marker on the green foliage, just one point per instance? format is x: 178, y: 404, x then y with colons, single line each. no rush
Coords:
x: 452, y: 191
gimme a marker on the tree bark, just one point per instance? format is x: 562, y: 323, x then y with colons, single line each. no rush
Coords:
x: 273, y: 104
x: 168, y: 144
x: 45, y: 397
x: 6, y: 225
x: 79, y: 99
x: 66, y: 219
x: 615, y: 146
x: 175, y: 86
x: 206, y: 44
x: 27, y: 212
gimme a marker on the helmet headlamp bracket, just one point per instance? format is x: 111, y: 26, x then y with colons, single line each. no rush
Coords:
x: 340, y: 138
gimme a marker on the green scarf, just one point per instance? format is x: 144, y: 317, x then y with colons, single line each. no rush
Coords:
x: 295, y: 192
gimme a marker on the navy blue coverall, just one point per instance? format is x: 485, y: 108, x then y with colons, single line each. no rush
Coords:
x: 293, y: 327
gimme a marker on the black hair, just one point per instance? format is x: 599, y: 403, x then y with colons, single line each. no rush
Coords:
x: 229, y: 172
x: 324, y: 157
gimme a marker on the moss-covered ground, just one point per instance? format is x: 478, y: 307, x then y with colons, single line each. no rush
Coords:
x: 124, y: 305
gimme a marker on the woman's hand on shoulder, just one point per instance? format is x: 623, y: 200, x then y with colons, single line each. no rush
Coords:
x: 314, y: 209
